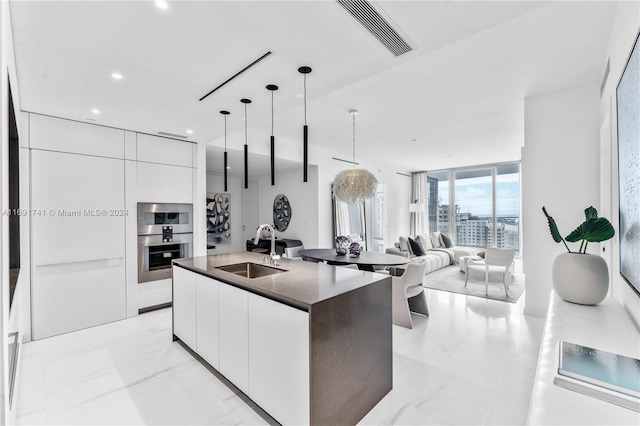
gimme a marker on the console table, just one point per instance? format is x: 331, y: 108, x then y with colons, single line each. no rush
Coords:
x: 606, y: 326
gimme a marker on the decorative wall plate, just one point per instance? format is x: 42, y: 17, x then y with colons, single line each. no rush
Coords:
x: 218, y: 218
x: 281, y: 212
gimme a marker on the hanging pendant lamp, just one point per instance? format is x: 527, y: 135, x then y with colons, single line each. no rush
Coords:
x: 355, y: 184
x: 246, y: 146
x: 305, y: 129
x: 272, y: 88
x: 224, y: 114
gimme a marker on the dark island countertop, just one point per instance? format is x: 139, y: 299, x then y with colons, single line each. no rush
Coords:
x: 301, y: 285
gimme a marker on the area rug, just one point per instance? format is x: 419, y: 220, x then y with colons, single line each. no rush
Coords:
x: 452, y: 278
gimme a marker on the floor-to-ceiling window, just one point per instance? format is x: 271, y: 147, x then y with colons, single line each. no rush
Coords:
x: 473, y: 220
x: 478, y: 206
x: 508, y: 205
x: 438, y: 201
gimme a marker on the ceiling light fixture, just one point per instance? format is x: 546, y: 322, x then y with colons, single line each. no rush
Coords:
x: 224, y: 114
x: 355, y: 184
x: 161, y: 4
x: 305, y: 129
x: 116, y: 75
x: 272, y: 88
x: 95, y: 111
x: 189, y: 131
x: 246, y: 145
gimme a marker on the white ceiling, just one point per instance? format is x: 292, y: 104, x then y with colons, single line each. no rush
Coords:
x: 460, y: 93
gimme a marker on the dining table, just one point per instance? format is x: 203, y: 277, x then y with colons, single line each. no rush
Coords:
x: 365, y: 261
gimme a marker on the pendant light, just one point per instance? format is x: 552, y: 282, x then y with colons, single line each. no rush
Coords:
x: 272, y: 88
x: 224, y: 114
x: 246, y: 146
x: 305, y: 129
x: 355, y: 184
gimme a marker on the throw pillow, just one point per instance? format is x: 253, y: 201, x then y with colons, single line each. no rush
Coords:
x: 404, y: 244
x: 425, y: 241
x: 416, y: 247
x: 435, y: 239
x: 446, y: 241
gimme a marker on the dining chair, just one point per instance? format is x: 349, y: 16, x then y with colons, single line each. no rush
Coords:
x: 408, y: 294
x: 292, y: 252
x: 496, y: 261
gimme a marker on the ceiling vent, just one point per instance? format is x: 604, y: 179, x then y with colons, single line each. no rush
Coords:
x: 172, y: 135
x: 371, y: 19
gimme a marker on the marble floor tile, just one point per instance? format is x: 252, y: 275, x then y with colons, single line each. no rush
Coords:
x: 472, y: 361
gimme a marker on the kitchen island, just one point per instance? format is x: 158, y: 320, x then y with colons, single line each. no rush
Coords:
x: 308, y: 342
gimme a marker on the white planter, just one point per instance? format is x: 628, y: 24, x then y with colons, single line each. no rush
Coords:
x: 581, y: 278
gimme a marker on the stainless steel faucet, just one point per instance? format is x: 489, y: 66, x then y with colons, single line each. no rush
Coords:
x: 273, y: 254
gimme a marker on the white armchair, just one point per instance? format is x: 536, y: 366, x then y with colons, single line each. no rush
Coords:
x: 496, y: 261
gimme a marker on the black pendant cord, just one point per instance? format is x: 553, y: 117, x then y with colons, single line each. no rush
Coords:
x: 305, y: 129
x: 246, y: 145
x: 272, y: 88
x: 225, y: 113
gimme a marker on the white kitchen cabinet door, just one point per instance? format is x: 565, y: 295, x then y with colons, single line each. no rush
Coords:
x: 77, y: 241
x: 279, y: 360
x: 58, y: 134
x: 184, y: 306
x: 73, y: 296
x: 154, y: 149
x: 207, y: 319
x: 234, y: 335
x: 160, y: 183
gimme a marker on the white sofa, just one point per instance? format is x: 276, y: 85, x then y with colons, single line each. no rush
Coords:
x: 437, y: 256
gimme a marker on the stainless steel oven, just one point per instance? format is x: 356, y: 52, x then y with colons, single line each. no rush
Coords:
x: 165, y: 232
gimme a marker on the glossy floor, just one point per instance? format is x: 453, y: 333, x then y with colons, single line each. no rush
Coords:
x: 471, y: 362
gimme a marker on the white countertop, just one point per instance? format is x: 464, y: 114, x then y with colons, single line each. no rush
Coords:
x: 606, y: 326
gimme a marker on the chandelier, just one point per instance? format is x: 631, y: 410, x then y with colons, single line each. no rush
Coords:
x: 355, y: 184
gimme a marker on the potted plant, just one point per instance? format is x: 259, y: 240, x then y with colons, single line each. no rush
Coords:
x: 580, y: 277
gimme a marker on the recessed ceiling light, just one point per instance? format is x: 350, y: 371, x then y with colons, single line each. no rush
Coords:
x: 228, y: 167
x: 95, y: 111
x: 189, y: 131
x: 116, y: 75
x: 161, y: 4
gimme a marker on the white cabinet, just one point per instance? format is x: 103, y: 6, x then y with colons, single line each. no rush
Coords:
x: 207, y: 319
x: 77, y: 243
x: 279, y: 360
x: 161, y: 183
x: 234, y: 335
x: 56, y: 134
x: 154, y: 149
x: 260, y: 345
x: 184, y: 306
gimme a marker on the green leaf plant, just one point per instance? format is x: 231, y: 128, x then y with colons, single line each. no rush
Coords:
x: 593, y: 230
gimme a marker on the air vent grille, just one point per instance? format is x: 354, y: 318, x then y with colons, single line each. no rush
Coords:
x: 236, y: 75
x: 369, y: 18
x: 172, y: 135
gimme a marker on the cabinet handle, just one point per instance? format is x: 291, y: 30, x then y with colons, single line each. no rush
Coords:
x: 110, y: 260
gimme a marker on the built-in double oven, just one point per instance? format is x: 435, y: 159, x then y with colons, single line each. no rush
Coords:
x: 165, y: 232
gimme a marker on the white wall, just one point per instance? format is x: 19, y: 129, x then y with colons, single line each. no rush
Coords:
x: 303, y: 198
x: 560, y: 170
x: 625, y: 30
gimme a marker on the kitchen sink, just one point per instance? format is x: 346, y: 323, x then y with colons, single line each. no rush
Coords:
x: 250, y: 270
